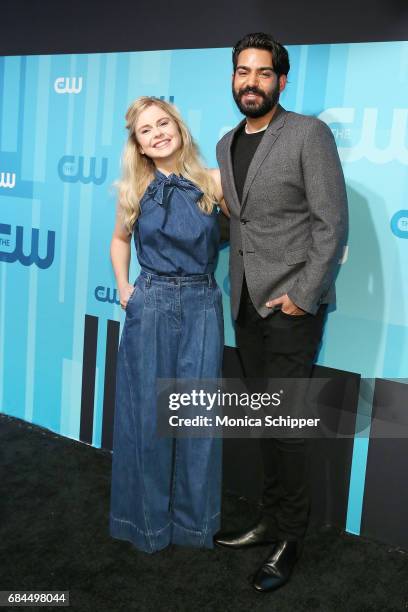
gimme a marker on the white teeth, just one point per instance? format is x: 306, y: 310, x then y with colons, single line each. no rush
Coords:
x: 163, y: 143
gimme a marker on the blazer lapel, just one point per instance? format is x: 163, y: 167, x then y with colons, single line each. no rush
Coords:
x: 230, y: 172
x: 271, y: 135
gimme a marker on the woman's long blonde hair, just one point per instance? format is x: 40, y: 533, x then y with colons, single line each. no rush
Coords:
x: 138, y: 170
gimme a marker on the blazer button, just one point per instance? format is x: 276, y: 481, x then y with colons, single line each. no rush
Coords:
x: 240, y: 252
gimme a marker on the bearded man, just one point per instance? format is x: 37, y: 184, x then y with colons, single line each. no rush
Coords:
x: 284, y: 185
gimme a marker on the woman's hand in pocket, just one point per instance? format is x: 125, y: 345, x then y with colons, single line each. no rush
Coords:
x: 125, y: 293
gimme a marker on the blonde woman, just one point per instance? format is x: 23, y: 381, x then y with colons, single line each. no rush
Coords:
x: 163, y: 490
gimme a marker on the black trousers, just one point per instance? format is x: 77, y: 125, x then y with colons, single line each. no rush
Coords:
x: 281, y: 346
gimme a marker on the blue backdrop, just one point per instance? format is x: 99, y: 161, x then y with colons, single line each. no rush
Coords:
x: 61, y: 136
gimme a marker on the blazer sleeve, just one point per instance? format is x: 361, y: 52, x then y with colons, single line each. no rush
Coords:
x: 218, y: 152
x: 325, y: 192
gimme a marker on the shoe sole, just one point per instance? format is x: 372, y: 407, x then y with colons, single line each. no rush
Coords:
x: 244, y: 546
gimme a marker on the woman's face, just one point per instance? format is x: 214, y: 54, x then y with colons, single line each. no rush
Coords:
x: 157, y: 134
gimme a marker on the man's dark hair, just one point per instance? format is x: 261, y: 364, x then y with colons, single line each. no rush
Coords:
x: 260, y: 40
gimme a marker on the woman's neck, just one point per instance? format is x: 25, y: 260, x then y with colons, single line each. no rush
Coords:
x: 167, y: 167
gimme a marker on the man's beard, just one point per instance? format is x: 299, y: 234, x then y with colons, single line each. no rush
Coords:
x: 254, y: 109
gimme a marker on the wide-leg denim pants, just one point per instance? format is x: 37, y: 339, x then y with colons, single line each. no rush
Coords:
x: 165, y: 490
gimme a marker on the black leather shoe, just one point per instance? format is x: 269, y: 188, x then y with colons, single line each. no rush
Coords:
x: 255, y: 536
x: 275, y: 571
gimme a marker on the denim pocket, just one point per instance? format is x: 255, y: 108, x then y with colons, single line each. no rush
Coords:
x: 163, y: 299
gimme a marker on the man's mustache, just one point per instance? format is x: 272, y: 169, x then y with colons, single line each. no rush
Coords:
x: 253, y: 90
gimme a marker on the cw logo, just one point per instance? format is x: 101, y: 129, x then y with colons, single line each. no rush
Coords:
x: 69, y: 85
x: 105, y: 294
x: 366, y: 147
x: 8, y: 180
x: 71, y: 173
x: 399, y: 224
x: 18, y: 253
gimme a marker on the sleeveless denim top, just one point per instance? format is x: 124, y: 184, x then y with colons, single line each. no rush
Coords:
x: 173, y: 237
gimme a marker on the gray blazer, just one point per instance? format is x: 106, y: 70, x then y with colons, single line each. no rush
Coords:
x: 288, y: 235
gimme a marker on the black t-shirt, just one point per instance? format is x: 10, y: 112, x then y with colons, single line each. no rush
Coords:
x: 243, y: 149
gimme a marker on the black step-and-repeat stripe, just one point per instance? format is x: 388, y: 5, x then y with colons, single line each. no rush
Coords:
x: 385, y: 507
x: 46, y: 26
x: 112, y: 343
x: 89, y: 380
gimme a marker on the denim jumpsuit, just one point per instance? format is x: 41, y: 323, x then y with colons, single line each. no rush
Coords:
x: 167, y: 490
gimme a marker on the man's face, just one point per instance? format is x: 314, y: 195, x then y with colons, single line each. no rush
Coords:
x: 255, y: 86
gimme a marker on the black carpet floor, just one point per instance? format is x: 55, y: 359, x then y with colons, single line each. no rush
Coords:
x: 54, y: 506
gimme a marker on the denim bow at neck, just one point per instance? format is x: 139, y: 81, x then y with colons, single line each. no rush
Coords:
x: 161, y: 188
